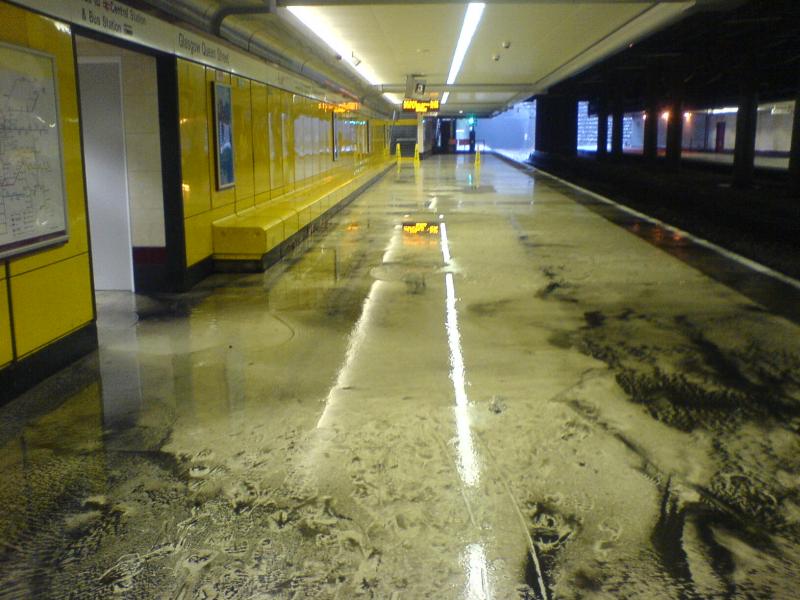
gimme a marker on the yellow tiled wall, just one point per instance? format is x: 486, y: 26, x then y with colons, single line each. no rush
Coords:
x: 243, y: 141
x: 261, y: 166
x: 282, y: 141
x: 51, y: 289
x: 275, y: 141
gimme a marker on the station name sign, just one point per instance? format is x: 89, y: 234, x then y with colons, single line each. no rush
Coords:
x: 420, y: 106
x: 118, y: 19
x: 197, y: 47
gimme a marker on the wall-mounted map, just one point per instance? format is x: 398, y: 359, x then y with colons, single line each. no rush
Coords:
x: 33, y: 210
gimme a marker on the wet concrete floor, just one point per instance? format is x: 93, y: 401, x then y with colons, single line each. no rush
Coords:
x: 468, y: 386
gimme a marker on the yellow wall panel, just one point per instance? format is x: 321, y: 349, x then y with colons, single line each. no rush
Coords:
x: 242, y: 142
x: 24, y: 28
x: 258, y: 94
x: 195, y: 142
x: 228, y: 195
x: 275, y: 106
x: 287, y: 124
x: 199, y: 241
x: 51, y: 302
x: 6, y: 349
x: 198, y: 238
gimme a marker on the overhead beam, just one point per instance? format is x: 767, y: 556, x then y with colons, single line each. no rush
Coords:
x: 373, y: 2
x: 512, y: 88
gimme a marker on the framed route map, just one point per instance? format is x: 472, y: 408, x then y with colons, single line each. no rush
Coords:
x: 33, y: 211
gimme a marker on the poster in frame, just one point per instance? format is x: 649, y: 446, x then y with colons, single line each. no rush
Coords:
x: 33, y: 199
x: 223, y: 135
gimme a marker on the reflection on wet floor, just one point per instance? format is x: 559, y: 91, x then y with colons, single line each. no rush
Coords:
x: 519, y: 399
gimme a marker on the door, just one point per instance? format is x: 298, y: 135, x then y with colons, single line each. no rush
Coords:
x: 106, y: 172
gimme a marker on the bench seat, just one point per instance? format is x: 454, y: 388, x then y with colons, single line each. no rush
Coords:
x: 252, y: 234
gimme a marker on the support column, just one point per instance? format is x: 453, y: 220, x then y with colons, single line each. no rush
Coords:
x: 744, y: 153
x: 557, y: 125
x: 794, y: 153
x: 651, y: 131
x: 675, y: 133
x: 650, y: 142
x: 617, y: 130
x: 602, y: 128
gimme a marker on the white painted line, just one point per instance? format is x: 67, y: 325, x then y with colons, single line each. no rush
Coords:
x: 750, y: 264
x: 445, y: 243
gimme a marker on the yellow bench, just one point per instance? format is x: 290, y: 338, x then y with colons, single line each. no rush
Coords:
x: 256, y: 238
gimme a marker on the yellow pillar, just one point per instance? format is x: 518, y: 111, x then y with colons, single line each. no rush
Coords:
x: 416, y: 154
x: 477, y: 157
x: 397, y: 152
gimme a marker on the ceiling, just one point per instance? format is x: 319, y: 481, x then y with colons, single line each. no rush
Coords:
x: 707, y: 60
x: 548, y: 40
x: 396, y: 40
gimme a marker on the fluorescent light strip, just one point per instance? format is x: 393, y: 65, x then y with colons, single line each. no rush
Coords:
x: 468, y: 28
x: 312, y: 18
x: 445, y: 96
x: 393, y: 98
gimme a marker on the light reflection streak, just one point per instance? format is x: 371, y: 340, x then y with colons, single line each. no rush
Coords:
x: 467, y: 461
x: 359, y: 332
x: 475, y: 564
x: 477, y: 575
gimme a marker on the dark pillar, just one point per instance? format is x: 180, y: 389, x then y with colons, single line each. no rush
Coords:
x: 675, y: 133
x: 651, y: 116
x: 602, y: 128
x: 617, y: 130
x: 745, y: 151
x: 651, y: 131
x: 557, y: 125
x: 794, y: 153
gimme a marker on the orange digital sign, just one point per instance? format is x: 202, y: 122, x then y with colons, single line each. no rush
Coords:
x: 420, y: 106
x: 339, y: 108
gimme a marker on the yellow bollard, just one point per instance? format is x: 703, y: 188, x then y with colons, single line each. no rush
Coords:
x: 416, y: 154
x: 397, y: 154
x: 477, y: 157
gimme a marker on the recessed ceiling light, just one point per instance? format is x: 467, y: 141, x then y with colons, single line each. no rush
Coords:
x: 471, y: 19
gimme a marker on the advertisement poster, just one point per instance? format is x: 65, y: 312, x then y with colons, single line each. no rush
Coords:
x: 223, y: 121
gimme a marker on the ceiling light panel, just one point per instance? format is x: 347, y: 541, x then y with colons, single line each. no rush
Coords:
x: 471, y: 20
x: 318, y: 22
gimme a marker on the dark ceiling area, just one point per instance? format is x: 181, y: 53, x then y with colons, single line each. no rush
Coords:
x: 709, y: 59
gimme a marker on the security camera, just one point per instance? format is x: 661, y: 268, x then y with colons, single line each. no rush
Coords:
x: 337, y: 56
x: 506, y: 45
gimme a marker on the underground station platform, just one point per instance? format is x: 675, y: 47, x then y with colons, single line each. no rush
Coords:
x: 472, y: 382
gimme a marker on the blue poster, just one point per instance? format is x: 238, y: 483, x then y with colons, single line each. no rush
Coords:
x: 223, y: 121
